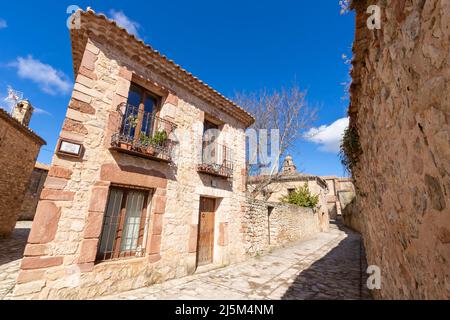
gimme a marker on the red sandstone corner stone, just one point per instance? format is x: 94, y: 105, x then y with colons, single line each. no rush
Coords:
x: 138, y: 176
x: 161, y: 192
x: 60, y: 172
x: 34, y: 250
x: 159, y: 204
x: 57, y: 195
x: 88, y: 251
x: 94, y: 225
x: 86, y: 267
x: 172, y: 99
x: 88, y: 61
x: 193, y: 234
x: 125, y: 73
x: 87, y: 73
x: 154, y: 258
x: 155, y: 244
x: 74, y: 126
x: 99, y: 197
x: 55, y: 183
x: 82, y: 107
x: 45, y: 223
x: 157, y: 224
x: 30, y: 275
x: 29, y: 263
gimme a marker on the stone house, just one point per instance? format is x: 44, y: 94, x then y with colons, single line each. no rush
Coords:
x: 288, y: 181
x: 33, y: 192
x: 20, y: 148
x: 341, y: 192
x: 136, y: 193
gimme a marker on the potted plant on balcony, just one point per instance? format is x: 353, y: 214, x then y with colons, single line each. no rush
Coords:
x: 151, y: 145
x: 159, y: 141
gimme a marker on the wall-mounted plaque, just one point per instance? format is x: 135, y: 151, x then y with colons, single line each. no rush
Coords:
x: 69, y: 148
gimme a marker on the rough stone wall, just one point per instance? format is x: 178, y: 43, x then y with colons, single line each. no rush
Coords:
x: 19, y: 151
x: 400, y: 106
x: 270, y: 225
x: 33, y: 193
x: 60, y: 257
x: 280, y: 189
x: 353, y: 217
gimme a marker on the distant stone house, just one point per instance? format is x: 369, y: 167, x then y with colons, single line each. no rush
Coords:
x: 288, y: 181
x: 19, y: 149
x: 33, y: 192
x: 341, y: 193
x: 139, y: 189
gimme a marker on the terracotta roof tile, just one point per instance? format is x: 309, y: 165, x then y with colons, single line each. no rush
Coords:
x: 236, y: 110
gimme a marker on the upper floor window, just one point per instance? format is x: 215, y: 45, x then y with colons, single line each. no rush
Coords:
x: 141, y: 107
x: 216, y: 157
x: 142, y: 132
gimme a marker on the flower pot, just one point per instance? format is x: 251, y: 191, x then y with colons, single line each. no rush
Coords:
x: 125, y: 146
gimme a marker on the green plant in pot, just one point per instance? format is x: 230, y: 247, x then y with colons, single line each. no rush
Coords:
x: 150, y: 144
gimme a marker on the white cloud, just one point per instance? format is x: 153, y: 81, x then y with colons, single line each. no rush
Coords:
x: 328, y: 137
x: 125, y: 22
x: 41, y: 111
x: 3, y: 24
x: 49, y: 79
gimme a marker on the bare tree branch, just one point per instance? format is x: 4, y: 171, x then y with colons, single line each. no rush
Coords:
x: 285, y: 110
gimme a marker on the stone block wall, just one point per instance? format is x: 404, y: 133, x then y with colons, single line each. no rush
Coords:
x: 400, y: 106
x: 19, y: 150
x: 279, y: 188
x: 268, y: 225
x: 33, y: 192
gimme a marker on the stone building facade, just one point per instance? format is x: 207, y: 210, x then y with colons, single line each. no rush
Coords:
x: 20, y: 147
x: 341, y: 192
x: 130, y: 197
x: 289, y: 180
x: 400, y: 108
x: 33, y: 192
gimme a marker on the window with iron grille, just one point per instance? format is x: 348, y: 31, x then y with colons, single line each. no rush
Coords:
x: 124, y: 229
x: 142, y: 132
x: 216, y: 158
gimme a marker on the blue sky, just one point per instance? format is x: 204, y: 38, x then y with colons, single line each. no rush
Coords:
x: 231, y: 45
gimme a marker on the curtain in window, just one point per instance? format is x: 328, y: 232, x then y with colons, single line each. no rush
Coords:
x: 130, y: 234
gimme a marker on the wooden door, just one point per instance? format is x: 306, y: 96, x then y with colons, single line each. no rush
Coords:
x: 205, y: 247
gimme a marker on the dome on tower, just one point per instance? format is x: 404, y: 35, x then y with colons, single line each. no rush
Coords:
x: 288, y: 166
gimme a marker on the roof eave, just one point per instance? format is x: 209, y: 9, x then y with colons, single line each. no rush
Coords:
x: 79, y: 39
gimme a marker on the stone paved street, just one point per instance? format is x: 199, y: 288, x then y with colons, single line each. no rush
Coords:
x: 326, y: 267
x: 11, y: 252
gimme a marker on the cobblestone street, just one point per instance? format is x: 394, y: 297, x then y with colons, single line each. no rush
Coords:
x: 11, y: 252
x: 330, y: 266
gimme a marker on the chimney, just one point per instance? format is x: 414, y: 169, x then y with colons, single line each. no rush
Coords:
x: 22, y: 112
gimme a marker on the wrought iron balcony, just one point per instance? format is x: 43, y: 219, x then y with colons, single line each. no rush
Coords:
x: 143, y: 134
x: 216, y: 160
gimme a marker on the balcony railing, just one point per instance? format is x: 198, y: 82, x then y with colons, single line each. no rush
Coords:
x: 216, y: 160
x: 143, y: 134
